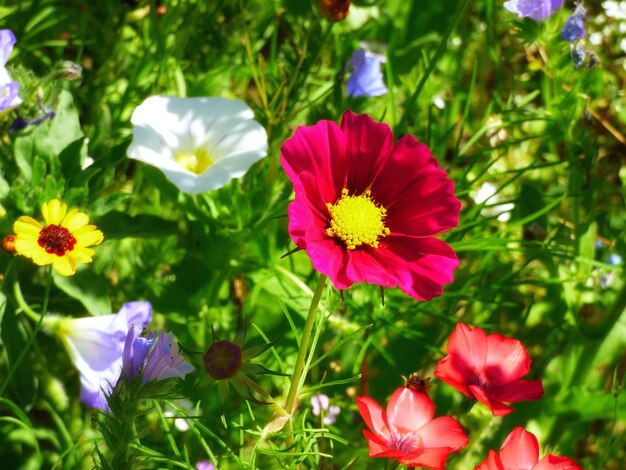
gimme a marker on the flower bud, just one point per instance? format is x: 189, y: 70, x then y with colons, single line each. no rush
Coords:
x: 222, y: 360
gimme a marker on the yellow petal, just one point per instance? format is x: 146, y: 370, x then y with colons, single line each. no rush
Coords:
x: 42, y: 258
x: 75, y: 220
x: 53, y: 212
x: 84, y: 255
x: 64, y: 265
x: 27, y: 226
x: 27, y: 247
x: 87, y: 236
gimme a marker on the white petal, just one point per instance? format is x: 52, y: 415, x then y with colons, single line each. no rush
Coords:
x: 166, y: 127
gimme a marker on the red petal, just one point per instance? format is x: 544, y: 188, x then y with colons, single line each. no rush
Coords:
x: 454, y: 373
x: 554, y: 462
x: 492, y: 462
x: 408, y: 411
x: 470, y: 345
x: 497, y: 407
x: 507, y: 360
x: 374, y: 417
x: 521, y: 390
x: 520, y: 450
x: 321, y: 151
x: 377, y: 447
x: 369, y: 146
x: 428, y: 458
x: 444, y: 432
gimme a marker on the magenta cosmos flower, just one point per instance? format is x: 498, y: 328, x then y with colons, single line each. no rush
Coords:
x: 520, y: 451
x: 366, y: 209
x: 488, y: 368
x: 408, y: 431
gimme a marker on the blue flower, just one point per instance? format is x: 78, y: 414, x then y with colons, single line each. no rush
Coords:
x: 578, y: 55
x: 96, y: 346
x: 574, y: 28
x: 9, y: 97
x: 614, y: 259
x: 538, y: 10
x: 366, y: 78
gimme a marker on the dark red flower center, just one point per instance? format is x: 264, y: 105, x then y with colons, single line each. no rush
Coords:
x: 56, y: 240
x: 405, y: 444
x: 222, y: 360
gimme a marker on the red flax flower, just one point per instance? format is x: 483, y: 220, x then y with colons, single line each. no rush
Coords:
x: 488, y: 368
x: 366, y: 209
x: 520, y: 451
x: 408, y: 432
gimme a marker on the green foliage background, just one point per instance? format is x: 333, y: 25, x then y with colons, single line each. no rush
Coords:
x: 497, y: 100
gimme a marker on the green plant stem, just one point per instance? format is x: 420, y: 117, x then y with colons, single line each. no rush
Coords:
x: 305, y: 339
x: 31, y: 340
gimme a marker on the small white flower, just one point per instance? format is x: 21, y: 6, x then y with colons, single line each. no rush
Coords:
x: 489, y: 193
x: 199, y: 144
x: 322, y: 407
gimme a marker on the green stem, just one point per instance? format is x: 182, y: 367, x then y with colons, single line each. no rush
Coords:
x: 31, y: 340
x: 298, y: 372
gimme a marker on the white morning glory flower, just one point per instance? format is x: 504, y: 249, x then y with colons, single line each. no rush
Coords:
x: 199, y: 144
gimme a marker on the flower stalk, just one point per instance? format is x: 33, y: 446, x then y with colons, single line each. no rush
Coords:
x: 31, y: 340
x: 298, y: 372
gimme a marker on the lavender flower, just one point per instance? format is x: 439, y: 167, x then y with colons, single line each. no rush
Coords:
x: 578, y: 55
x: 366, y: 78
x: 321, y: 405
x: 538, y: 10
x: 9, y: 89
x: 136, y: 349
x: 574, y: 28
x: 164, y: 361
x: 96, y: 346
x: 204, y: 465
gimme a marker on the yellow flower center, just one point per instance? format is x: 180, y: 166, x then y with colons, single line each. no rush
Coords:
x: 196, y: 162
x: 357, y: 220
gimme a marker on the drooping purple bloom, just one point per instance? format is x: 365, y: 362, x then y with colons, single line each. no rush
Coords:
x: 321, y: 405
x: 538, y: 10
x: 96, y: 346
x: 366, y: 78
x: 9, y: 90
x: 574, y: 28
x: 136, y: 349
x: 164, y: 361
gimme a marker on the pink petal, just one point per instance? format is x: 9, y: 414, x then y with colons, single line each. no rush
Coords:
x: 374, y: 417
x: 442, y: 432
x: 492, y: 462
x: 364, y: 265
x: 422, y: 266
x: 369, y: 146
x: 520, y: 450
x: 497, y: 408
x: 507, y: 360
x: 410, y: 164
x: 521, y: 390
x: 408, y: 411
x: 321, y: 151
x: 554, y: 462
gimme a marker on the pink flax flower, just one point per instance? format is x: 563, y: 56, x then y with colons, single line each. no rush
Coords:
x: 488, y: 368
x: 366, y: 209
x: 408, y: 432
x: 520, y: 451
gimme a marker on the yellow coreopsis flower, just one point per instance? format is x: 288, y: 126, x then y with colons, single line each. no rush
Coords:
x: 62, y: 241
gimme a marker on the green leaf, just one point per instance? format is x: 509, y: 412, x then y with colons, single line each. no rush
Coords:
x: 117, y: 225
x: 88, y: 288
